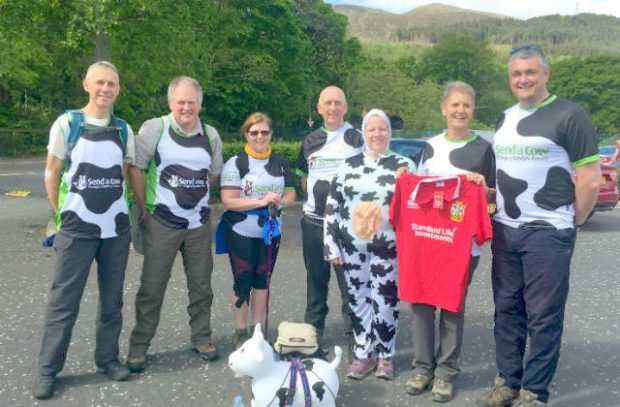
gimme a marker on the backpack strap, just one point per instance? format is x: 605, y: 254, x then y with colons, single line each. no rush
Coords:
x: 76, y: 118
x: 123, y: 125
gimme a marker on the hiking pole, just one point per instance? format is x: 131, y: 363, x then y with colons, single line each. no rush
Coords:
x: 271, y: 209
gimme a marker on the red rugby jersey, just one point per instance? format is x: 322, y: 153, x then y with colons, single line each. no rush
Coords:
x: 435, y: 220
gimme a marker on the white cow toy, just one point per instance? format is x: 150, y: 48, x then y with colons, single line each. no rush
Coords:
x: 271, y: 377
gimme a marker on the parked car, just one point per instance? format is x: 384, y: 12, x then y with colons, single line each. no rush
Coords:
x: 411, y: 148
x: 608, y: 191
x: 607, y: 153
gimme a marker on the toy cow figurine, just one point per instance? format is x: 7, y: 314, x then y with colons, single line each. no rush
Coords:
x: 271, y: 377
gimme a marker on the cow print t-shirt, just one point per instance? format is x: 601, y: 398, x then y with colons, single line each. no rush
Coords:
x: 255, y: 178
x: 536, y: 150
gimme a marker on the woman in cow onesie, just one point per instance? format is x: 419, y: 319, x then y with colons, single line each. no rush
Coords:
x: 358, y: 236
x: 251, y: 182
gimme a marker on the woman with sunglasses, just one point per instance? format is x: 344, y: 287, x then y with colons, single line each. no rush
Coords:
x: 255, y: 185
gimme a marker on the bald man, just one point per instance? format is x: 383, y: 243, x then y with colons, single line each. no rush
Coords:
x: 320, y: 155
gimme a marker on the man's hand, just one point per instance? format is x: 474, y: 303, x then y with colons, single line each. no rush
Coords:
x: 588, y: 178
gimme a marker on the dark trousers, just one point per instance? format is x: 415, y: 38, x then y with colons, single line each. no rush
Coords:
x: 318, y: 275
x: 530, y: 275
x: 73, y: 260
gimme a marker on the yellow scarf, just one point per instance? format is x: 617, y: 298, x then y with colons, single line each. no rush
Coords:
x: 258, y: 156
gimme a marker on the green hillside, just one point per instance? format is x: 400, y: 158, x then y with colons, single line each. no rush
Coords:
x: 370, y: 24
x: 579, y: 35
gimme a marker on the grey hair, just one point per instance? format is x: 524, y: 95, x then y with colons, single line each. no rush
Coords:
x: 461, y: 86
x: 103, y: 64
x: 193, y: 82
x: 529, y: 51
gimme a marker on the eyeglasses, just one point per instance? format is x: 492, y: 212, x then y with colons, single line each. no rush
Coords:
x: 255, y: 133
x: 527, y: 48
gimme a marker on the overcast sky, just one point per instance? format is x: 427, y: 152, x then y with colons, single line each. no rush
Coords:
x: 520, y: 9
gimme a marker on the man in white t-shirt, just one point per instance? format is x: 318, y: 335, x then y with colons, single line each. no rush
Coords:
x: 320, y: 155
x: 84, y: 180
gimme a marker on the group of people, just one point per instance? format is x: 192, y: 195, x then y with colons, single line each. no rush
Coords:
x: 541, y: 170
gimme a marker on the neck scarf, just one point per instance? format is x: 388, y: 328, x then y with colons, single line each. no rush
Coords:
x: 258, y: 156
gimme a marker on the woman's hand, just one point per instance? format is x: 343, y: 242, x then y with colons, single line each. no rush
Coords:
x: 271, y: 197
x: 476, y: 178
x: 336, y: 261
x: 401, y: 171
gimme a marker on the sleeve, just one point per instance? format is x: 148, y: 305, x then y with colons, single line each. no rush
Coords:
x: 57, y: 145
x: 426, y: 154
x: 130, y: 148
x: 230, y: 177
x: 580, y: 138
x: 411, y: 166
x: 302, y: 163
x: 483, y: 231
x: 289, y: 178
x: 489, y: 169
x: 217, y: 161
x: 335, y: 201
x: 395, y: 205
x: 146, y: 142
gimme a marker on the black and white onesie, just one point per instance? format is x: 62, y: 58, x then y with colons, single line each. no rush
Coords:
x: 370, y: 265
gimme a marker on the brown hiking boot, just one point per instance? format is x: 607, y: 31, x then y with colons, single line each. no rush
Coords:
x: 207, y: 351
x: 499, y: 396
x: 528, y: 399
x: 240, y: 336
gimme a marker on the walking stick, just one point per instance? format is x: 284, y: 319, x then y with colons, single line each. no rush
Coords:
x: 272, y: 215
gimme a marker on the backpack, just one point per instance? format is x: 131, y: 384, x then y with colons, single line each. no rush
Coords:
x: 76, y: 122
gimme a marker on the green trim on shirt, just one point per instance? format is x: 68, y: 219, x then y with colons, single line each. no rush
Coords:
x: 586, y: 160
x: 471, y: 138
x: 545, y: 102
x: 300, y: 173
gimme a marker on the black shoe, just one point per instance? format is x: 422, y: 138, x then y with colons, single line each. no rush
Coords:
x: 116, y: 371
x: 207, y: 351
x: 43, y: 387
x: 136, y: 365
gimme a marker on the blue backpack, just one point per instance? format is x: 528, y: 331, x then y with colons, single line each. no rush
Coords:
x: 77, y: 118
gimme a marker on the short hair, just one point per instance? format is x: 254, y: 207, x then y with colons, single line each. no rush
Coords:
x: 103, y: 64
x: 460, y: 86
x: 528, y: 51
x: 255, y: 118
x: 193, y: 82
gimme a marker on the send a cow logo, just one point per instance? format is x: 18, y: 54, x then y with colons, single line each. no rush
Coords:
x: 83, y: 182
x: 248, y: 187
x: 175, y: 182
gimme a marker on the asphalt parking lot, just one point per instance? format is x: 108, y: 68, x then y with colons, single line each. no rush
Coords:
x: 588, y: 373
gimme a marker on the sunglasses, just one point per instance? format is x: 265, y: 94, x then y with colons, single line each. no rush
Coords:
x: 255, y: 133
x: 527, y: 48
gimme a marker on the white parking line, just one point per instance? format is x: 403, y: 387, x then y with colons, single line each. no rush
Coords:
x: 12, y: 174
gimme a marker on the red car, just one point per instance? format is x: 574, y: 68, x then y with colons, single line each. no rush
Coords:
x: 608, y: 191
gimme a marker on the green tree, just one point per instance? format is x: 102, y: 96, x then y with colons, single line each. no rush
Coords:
x: 470, y: 60
x: 594, y: 83
x: 248, y: 55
